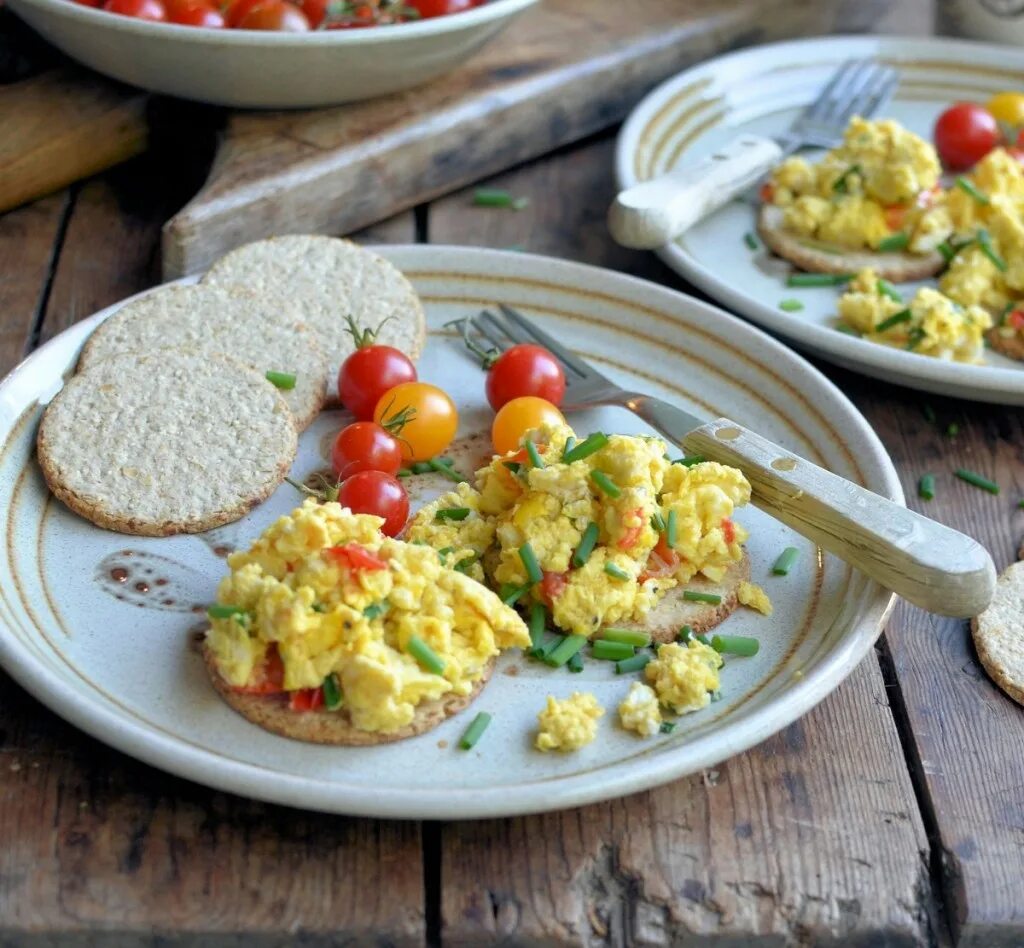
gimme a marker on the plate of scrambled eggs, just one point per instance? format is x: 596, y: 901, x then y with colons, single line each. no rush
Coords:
x: 431, y: 633
x: 928, y: 264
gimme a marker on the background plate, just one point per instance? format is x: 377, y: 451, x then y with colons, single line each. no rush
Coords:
x: 124, y: 669
x: 761, y: 90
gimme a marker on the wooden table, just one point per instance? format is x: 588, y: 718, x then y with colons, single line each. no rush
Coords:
x: 892, y: 814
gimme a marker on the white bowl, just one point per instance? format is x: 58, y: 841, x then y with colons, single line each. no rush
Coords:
x: 259, y: 69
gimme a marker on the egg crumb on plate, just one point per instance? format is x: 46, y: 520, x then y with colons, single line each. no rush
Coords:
x: 754, y: 597
x: 639, y: 710
x: 569, y: 724
x: 684, y: 676
x: 325, y: 610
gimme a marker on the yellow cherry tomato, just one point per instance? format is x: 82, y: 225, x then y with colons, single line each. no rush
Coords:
x: 517, y: 417
x: 1007, y: 107
x: 421, y: 416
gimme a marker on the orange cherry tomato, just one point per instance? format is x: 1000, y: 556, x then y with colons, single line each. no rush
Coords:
x: 517, y: 417
x: 421, y: 416
x: 277, y: 15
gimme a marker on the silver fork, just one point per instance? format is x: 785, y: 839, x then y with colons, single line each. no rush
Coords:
x: 925, y: 562
x: 650, y: 214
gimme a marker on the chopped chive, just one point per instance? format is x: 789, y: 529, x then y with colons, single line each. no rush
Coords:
x: 550, y: 643
x: 576, y: 663
x: 404, y: 472
x: 671, y: 528
x: 612, y: 651
x: 885, y: 288
x: 332, y: 692
x: 217, y: 611
x: 617, y: 571
x: 465, y: 563
x: 691, y: 595
x: 438, y: 464
x: 514, y: 466
x: 421, y: 467
x: 894, y: 242
x: 657, y: 522
x: 538, y: 622
x: 590, y: 445
x: 985, y: 243
x: 903, y: 316
x: 376, y: 609
x: 849, y: 330
x: 968, y: 188
x: 735, y: 644
x: 634, y: 663
x: 629, y: 636
x: 475, y: 731
x: 1020, y: 504
x: 915, y: 337
x: 840, y: 184
x: 587, y: 543
x: 452, y: 513
x: 498, y: 197
x: 977, y: 480
x: 425, y: 655
x: 530, y: 564
x: 319, y: 607
x: 667, y: 727
x: 531, y: 450
x: 570, y: 443
x: 565, y: 650
x: 690, y: 460
x: 605, y: 483
x: 926, y: 487
x: 952, y: 429
x: 784, y: 563
x: 818, y: 279
x: 283, y: 380
x: 443, y: 553
x: 685, y: 635
x: 510, y: 594
x: 750, y: 240
x: 948, y: 252
x: 791, y: 306
x: 716, y: 695
x: 929, y: 413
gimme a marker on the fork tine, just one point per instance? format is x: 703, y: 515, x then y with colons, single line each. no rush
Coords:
x: 847, y: 91
x: 551, y: 344
x: 824, y: 97
x: 863, y: 94
x: 494, y: 338
x: 500, y: 325
x: 882, y: 94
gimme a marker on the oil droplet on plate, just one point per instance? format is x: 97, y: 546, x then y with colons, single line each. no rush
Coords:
x: 150, y: 581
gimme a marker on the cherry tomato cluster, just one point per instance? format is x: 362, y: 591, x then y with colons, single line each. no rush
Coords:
x: 288, y: 16
x: 966, y: 132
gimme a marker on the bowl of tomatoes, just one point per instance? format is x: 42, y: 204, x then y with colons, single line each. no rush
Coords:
x: 270, y: 53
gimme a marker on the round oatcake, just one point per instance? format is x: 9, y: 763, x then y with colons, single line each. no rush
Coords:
x: 999, y: 633
x: 165, y: 442
x: 264, y: 332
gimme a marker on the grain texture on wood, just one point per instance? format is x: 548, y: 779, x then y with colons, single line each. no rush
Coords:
x: 965, y: 737
x: 812, y: 838
x: 566, y: 69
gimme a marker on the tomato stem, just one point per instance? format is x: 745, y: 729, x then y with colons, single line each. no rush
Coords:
x: 394, y: 423
x: 364, y: 337
x: 487, y: 357
x: 325, y: 493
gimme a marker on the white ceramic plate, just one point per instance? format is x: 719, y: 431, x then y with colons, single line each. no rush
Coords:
x: 258, y: 69
x: 761, y: 90
x: 124, y: 669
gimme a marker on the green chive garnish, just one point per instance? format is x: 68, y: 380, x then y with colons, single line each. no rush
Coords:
x: 375, y: 610
x: 690, y: 460
x: 445, y: 469
x: 968, y: 188
x: 691, y: 595
x: 421, y: 467
x: 791, y: 306
x: 627, y: 636
x: 929, y: 413
x: 903, y: 316
x: 546, y: 647
x: 404, y: 472
x: 498, y: 197
x: 452, y: 513
x: 948, y: 252
x: 633, y: 664
x: 893, y: 242
x: 915, y: 337
x: 735, y: 644
x: 952, y: 429
x: 530, y: 564
x: 926, y: 487
x: 537, y: 624
x: 534, y: 455
x: 716, y: 696
x: 570, y: 443
x: 510, y: 594
x: 425, y: 655
x: 667, y: 727
x: 587, y: 543
x: 612, y: 651
x: 985, y: 243
x: 840, y: 184
x: 576, y: 663
x: 319, y: 607
x: 617, y: 571
x: 1020, y: 504
x: 332, y: 692
x: 218, y: 611
x: 284, y: 380
x: 475, y: 731
x: 977, y: 480
x: 784, y: 563
x: 750, y: 240
x: 565, y: 650
x: 465, y: 563
x: 605, y: 483
x: 671, y: 523
x: 514, y: 466
x: 885, y: 288
x: 817, y: 279
x: 849, y: 330
x: 657, y: 522
x: 590, y: 445
x: 685, y: 635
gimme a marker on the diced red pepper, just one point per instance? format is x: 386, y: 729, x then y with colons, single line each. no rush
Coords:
x: 355, y: 557
x: 632, y: 534
x: 895, y: 215
x: 767, y: 192
x: 662, y: 562
x: 729, y: 530
x: 268, y: 678
x: 306, y: 699
x: 552, y: 586
x: 1016, y: 319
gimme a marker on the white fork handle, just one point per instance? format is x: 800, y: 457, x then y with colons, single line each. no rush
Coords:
x: 650, y: 214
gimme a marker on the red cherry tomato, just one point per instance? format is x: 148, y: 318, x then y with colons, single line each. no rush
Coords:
x: 195, y: 13
x: 525, y: 370
x: 305, y: 699
x: 365, y: 446
x: 964, y: 134
x: 371, y: 371
x: 377, y: 493
x: 429, y: 8
x: 276, y: 15
x: 315, y: 10
x: 237, y: 10
x: 140, y: 9
x: 89, y: 3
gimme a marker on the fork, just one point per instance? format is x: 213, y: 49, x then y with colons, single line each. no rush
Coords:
x: 925, y: 562
x: 650, y: 214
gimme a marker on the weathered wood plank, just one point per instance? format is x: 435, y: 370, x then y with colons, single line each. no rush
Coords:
x: 812, y: 838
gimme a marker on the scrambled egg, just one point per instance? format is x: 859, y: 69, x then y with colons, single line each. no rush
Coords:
x: 549, y: 510
x: 639, y: 710
x: 333, y: 595
x: 684, y: 676
x: 570, y: 724
x: 754, y: 597
x: 930, y: 324
x: 881, y: 181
